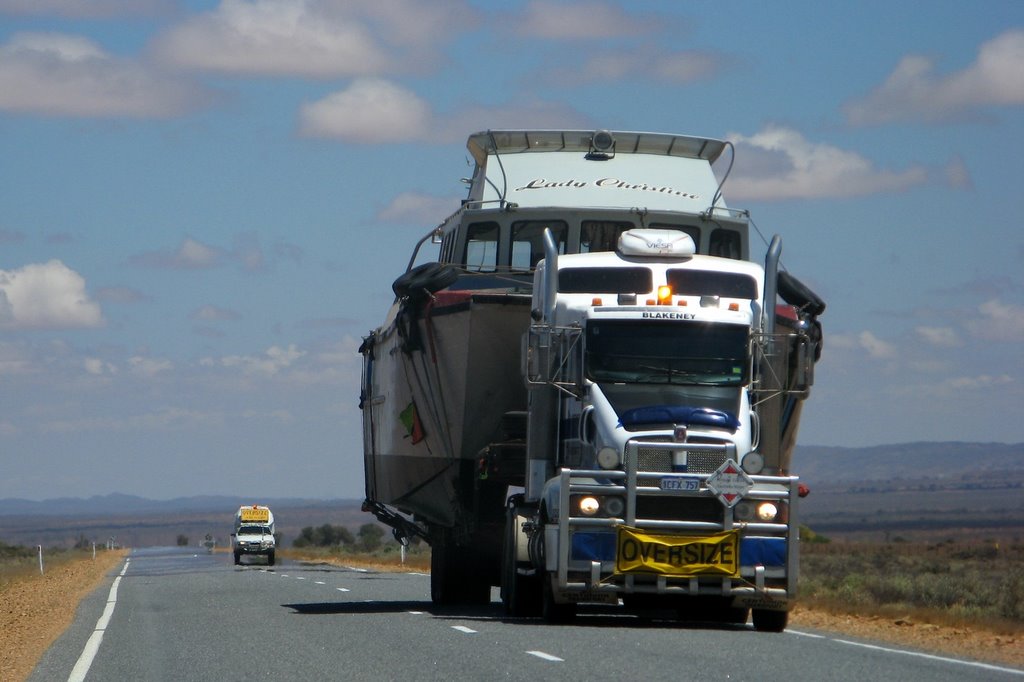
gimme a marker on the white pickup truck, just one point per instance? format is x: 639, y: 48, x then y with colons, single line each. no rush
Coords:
x: 254, y: 533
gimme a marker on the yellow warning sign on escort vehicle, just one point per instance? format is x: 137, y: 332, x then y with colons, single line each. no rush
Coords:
x: 255, y: 514
x: 677, y: 555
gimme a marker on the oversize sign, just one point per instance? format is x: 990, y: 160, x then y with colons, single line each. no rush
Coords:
x: 676, y: 555
x: 255, y: 515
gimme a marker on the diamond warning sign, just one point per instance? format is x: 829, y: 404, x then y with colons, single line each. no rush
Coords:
x: 729, y: 483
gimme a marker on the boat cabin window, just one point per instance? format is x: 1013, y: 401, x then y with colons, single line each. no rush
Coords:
x: 482, y: 247
x: 447, y: 248
x: 604, y: 280
x: 601, y: 235
x: 725, y: 243
x: 694, y: 232
x: 711, y: 283
x: 528, y: 241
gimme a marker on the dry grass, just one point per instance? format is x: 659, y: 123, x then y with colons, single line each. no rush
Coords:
x: 35, y: 609
x: 978, y: 585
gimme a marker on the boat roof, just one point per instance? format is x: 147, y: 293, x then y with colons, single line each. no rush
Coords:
x: 491, y: 142
x: 594, y: 169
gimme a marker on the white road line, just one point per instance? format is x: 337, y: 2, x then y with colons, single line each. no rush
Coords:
x: 92, y: 646
x: 546, y: 657
x: 806, y: 634
x: 343, y: 589
x: 463, y: 628
x: 300, y: 577
x: 357, y: 570
x: 973, y: 664
x: 416, y: 613
x: 420, y: 574
x: 319, y: 582
x: 932, y: 657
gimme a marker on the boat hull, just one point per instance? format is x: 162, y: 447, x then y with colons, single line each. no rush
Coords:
x: 438, y: 378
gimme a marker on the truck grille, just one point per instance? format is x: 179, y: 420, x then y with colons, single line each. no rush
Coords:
x: 651, y: 459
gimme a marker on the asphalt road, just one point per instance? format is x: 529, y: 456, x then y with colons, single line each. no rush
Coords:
x: 176, y: 614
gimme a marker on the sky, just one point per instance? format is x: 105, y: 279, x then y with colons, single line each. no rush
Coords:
x: 203, y: 206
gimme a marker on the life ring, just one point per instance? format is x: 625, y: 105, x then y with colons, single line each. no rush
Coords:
x: 795, y: 292
x: 428, y: 277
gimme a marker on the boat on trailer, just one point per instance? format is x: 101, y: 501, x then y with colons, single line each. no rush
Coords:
x: 442, y: 394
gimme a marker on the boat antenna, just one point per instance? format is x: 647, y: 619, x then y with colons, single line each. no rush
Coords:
x: 501, y: 167
x: 732, y: 159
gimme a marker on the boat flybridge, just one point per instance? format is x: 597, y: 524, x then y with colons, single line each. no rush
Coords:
x: 587, y: 187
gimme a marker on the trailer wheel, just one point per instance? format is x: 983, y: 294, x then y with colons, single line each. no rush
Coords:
x: 520, y: 594
x: 770, y: 621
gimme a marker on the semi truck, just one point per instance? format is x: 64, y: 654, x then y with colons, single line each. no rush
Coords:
x: 254, y: 533
x: 592, y: 395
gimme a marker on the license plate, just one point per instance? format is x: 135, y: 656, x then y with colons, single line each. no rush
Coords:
x: 638, y: 551
x: 690, y: 484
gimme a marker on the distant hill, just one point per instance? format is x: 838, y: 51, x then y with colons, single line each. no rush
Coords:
x: 948, y: 460
x: 121, y: 504
x: 911, y: 489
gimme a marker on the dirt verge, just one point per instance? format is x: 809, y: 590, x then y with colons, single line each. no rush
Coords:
x: 36, y: 610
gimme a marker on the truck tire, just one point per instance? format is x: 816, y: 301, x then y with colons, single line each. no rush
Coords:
x: 238, y: 558
x: 770, y: 621
x: 553, y: 611
x: 453, y: 575
x: 270, y: 559
x: 520, y: 594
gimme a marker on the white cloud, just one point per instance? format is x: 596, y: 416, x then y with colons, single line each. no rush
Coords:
x: 46, y: 296
x: 314, y: 38
x: 212, y: 313
x: 780, y: 163
x: 91, y: 9
x: 190, y: 255
x: 375, y: 111
x: 641, y: 63
x: 57, y: 74
x: 371, y: 111
x: 876, y: 348
x: 912, y: 92
x: 98, y: 367
x: 409, y: 207
x: 980, y: 382
x: 939, y: 336
x: 579, y: 21
x: 999, y: 322
x: 162, y: 419
x: 148, y: 367
x: 271, y: 362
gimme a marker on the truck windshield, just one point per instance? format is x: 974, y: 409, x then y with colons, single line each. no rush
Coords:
x: 252, y: 530
x: 694, y: 353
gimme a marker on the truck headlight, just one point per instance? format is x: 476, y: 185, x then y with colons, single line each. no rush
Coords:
x: 589, y: 505
x: 767, y: 511
x: 608, y: 458
x: 598, y: 505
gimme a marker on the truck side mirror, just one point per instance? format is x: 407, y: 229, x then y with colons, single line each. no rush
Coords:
x: 803, y: 369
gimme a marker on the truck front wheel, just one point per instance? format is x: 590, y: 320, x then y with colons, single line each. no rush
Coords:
x: 553, y: 611
x: 520, y: 592
x: 238, y: 558
x: 270, y: 559
x: 770, y: 621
